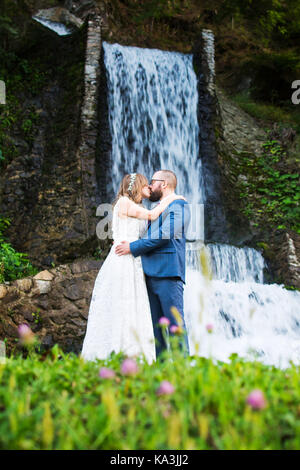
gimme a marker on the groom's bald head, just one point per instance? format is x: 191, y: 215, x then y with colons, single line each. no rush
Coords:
x: 168, y: 176
x: 162, y: 184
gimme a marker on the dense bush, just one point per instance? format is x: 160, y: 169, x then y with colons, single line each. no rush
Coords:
x: 270, y: 191
x: 13, y: 264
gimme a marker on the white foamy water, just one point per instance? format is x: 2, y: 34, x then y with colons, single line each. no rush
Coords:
x: 153, y: 115
x: 58, y: 28
x: 152, y: 100
x: 253, y: 320
x: 228, y: 262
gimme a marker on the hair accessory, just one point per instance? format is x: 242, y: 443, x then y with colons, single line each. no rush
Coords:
x: 132, y: 180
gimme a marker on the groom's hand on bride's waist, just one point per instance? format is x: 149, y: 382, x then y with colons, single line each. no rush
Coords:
x: 123, y: 248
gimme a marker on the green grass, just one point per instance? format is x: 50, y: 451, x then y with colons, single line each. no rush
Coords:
x: 60, y: 402
x: 288, y: 115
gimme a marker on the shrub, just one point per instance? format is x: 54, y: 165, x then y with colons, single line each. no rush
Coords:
x: 13, y: 264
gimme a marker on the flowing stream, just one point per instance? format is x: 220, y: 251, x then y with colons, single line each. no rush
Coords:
x: 152, y: 101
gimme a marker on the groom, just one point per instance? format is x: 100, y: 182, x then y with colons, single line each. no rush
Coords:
x: 163, y: 256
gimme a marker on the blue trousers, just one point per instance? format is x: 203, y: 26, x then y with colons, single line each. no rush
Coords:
x: 163, y: 294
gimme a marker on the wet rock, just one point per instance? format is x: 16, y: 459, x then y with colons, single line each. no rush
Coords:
x: 79, y: 267
x: 52, y: 183
x: 43, y: 286
x: 44, y: 276
x: 74, y: 291
x: 24, y: 284
x: 12, y: 295
x: 59, y: 15
x: 48, y: 341
x: 56, y: 309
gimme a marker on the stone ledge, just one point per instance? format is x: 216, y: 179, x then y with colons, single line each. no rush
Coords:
x: 83, y: 266
x: 54, y: 303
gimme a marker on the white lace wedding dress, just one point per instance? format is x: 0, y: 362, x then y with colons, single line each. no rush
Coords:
x: 119, y: 315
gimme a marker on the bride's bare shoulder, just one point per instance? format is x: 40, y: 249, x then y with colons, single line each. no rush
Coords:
x: 122, y: 200
x: 125, y: 201
x: 122, y: 205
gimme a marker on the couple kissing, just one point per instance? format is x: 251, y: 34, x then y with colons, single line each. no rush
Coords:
x: 143, y: 276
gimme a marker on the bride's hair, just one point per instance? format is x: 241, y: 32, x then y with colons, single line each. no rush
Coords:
x: 133, y: 190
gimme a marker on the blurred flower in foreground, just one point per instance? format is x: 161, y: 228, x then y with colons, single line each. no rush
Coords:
x: 256, y: 400
x: 129, y: 367
x: 206, y: 264
x: 209, y: 327
x: 175, y: 329
x: 165, y: 388
x: 176, y: 315
x: 164, y: 321
x: 106, y: 373
x: 27, y: 336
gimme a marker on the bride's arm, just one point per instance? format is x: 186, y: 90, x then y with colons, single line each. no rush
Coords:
x: 131, y: 209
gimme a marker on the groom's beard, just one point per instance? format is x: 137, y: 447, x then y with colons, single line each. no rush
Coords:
x: 155, y: 195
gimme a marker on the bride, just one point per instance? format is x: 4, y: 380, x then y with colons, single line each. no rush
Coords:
x: 119, y: 315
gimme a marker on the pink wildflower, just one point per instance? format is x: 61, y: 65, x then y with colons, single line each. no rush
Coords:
x: 165, y: 388
x: 129, y: 367
x: 26, y: 335
x: 175, y: 329
x: 106, y: 373
x: 164, y: 321
x: 256, y: 400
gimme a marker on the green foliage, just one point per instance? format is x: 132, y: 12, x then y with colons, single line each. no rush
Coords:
x: 257, y: 39
x: 270, y: 19
x: 2, y: 158
x: 291, y: 288
x: 22, y: 78
x: 270, y: 194
x: 7, y: 33
x: 156, y: 9
x: 6, y: 26
x: 58, y: 401
x: 13, y: 264
x: 274, y: 73
x: 36, y: 316
x: 102, y: 249
x: 288, y: 116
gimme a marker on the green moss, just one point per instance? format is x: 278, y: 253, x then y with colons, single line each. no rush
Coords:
x: 269, y: 193
x: 288, y: 115
x: 291, y: 288
x: 22, y: 79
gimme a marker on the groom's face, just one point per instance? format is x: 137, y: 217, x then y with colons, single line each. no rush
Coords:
x: 155, y: 188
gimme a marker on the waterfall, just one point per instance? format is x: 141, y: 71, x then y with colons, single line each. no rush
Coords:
x: 153, y: 116
x: 255, y: 320
x: 236, y: 264
x: 152, y: 103
x: 58, y: 28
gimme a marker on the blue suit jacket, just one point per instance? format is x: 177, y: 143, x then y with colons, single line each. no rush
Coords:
x: 162, y: 248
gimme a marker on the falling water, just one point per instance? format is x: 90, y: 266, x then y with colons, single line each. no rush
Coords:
x: 58, y: 28
x: 229, y: 263
x: 152, y: 98
x: 255, y: 320
x: 153, y: 115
